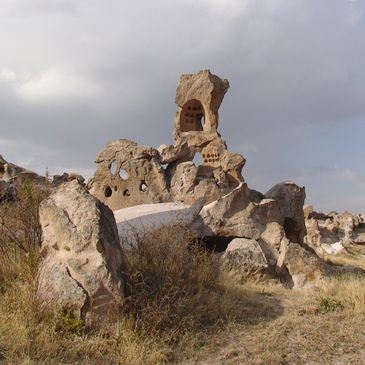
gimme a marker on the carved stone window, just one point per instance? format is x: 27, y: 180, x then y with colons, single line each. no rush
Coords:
x: 192, y: 116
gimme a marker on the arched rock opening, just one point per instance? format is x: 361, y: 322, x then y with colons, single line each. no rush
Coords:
x: 192, y: 117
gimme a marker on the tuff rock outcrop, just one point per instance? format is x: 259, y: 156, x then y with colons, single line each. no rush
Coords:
x: 290, y: 198
x: 303, y: 266
x: 65, y: 177
x: 243, y: 258
x: 331, y: 233
x: 128, y: 174
x: 199, y: 166
x: 82, y: 266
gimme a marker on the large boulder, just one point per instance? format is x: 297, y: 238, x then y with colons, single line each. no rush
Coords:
x: 304, y: 267
x: 65, y: 177
x: 243, y: 258
x: 82, y: 266
x: 290, y: 198
x: 235, y: 215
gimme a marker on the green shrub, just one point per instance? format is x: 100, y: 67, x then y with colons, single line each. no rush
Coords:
x: 68, y: 324
x: 329, y: 304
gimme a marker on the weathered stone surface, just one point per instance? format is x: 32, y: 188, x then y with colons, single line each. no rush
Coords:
x: 270, y: 241
x: 129, y: 174
x: 313, y: 236
x: 185, y: 179
x: 273, y: 234
x: 59, y: 179
x: 234, y: 215
x: 304, y: 266
x: 204, y: 92
x: 307, y: 211
x: 242, y: 258
x: 347, y: 223
x: 199, y: 165
x: 82, y: 262
x: 290, y: 198
x: 181, y: 152
x: 322, y: 237
x: 329, y: 233
x: 135, y: 222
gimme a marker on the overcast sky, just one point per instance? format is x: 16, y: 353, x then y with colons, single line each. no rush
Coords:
x: 75, y: 74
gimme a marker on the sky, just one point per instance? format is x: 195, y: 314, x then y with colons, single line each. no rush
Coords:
x: 76, y: 74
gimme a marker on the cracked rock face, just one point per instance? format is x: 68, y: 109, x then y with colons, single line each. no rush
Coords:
x: 290, y: 198
x: 82, y: 262
x: 304, y: 267
x: 243, y: 257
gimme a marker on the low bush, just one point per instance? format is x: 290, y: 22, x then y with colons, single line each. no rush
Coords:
x: 330, y: 304
x: 171, y: 282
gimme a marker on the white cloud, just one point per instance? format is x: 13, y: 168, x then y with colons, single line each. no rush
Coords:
x: 34, y: 7
x: 224, y: 8
x: 7, y: 75
x: 52, y: 84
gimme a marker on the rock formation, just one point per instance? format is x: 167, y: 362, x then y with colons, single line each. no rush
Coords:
x: 82, y: 262
x: 243, y: 258
x: 136, y: 222
x: 10, y: 173
x: 331, y: 233
x: 129, y: 174
x: 304, y: 267
x: 65, y: 177
x: 290, y: 198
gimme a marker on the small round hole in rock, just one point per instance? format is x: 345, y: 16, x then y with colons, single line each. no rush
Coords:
x: 126, y: 192
x: 123, y: 174
x: 113, y: 168
x: 108, y: 192
x: 143, y: 187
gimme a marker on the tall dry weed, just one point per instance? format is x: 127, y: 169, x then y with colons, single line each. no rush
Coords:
x: 347, y: 290
x: 172, y: 282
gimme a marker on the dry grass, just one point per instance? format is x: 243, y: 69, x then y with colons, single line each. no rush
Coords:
x: 348, y: 259
x: 178, y: 311
x: 306, y: 331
